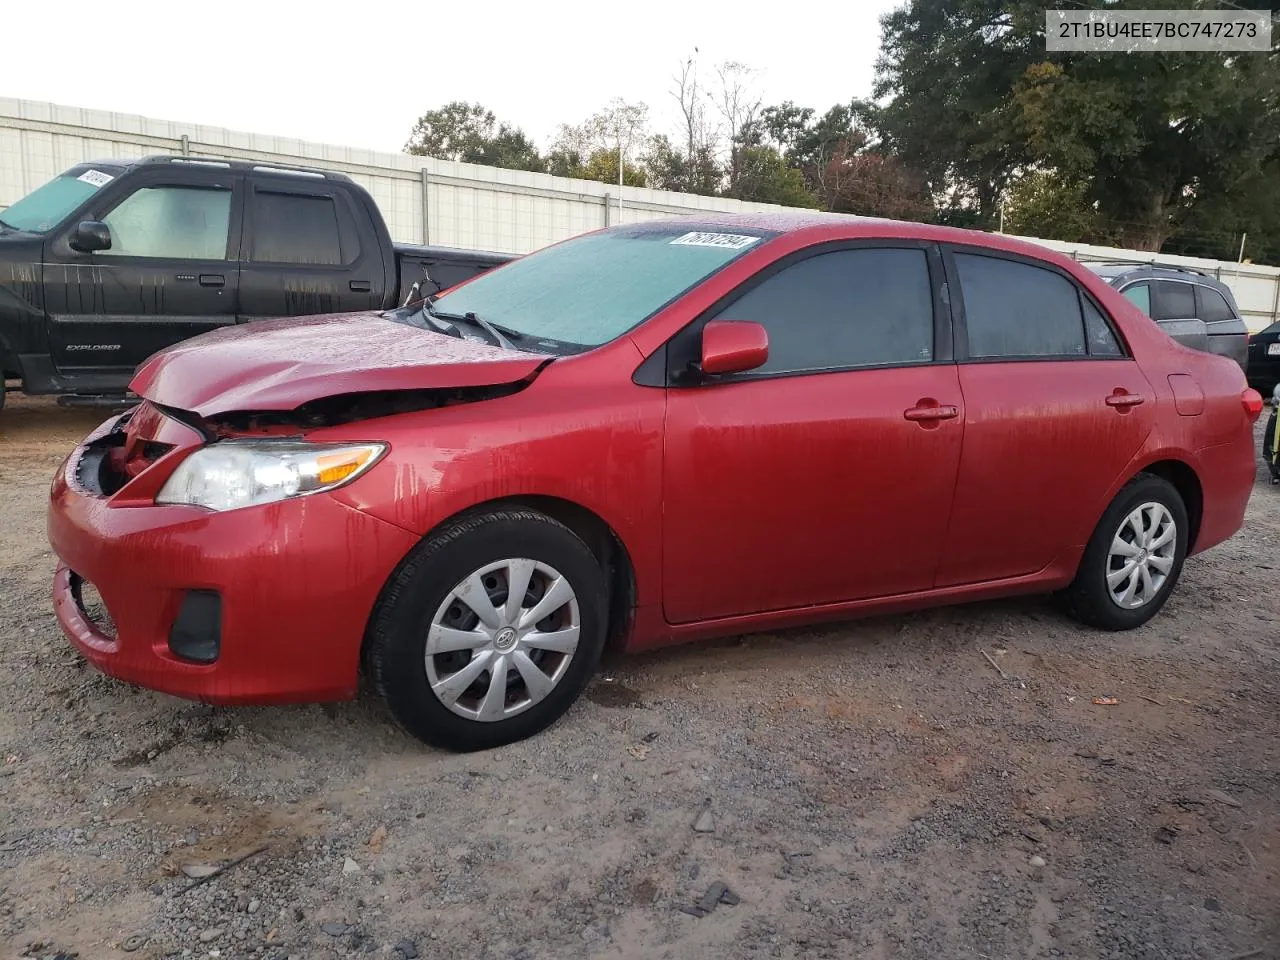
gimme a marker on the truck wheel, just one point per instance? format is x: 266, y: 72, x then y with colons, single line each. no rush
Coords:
x: 1134, y: 557
x: 489, y: 631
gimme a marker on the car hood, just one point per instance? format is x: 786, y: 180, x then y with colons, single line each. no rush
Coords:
x: 282, y: 364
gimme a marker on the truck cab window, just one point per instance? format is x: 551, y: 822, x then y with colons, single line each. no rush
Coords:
x: 172, y: 223
x: 295, y: 228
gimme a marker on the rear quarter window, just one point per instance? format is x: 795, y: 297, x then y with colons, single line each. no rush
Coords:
x: 1213, y: 305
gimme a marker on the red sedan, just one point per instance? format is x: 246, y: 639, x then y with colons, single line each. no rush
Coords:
x: 644, y: 435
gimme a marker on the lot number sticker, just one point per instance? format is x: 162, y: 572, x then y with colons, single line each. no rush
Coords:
x: 95, y: 178
x: 728, y: 241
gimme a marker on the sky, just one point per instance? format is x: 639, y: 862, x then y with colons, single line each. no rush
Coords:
x: 359, y: 74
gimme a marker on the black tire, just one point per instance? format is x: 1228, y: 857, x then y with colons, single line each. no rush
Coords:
x: 1269, y: 445
x: 396, y: 650
x: 1088, y: 598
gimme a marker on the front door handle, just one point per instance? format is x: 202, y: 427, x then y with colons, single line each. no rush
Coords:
x: 212, y: 280
x: 1122, y: 400
x: 930, y: 411
x: 360, y: 286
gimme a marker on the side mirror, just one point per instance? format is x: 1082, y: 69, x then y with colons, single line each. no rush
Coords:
x: 733, y: 346
x: 91, y: 236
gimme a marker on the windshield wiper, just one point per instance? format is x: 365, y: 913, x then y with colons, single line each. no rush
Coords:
x: 438, y: 322
x: 453, y: 319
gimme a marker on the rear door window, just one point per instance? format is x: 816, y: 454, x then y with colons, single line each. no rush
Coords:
x: 295, y: 228
x: 845, y: 308
x: 1173, y: 300
x: 1014, y: 309
x: 1213, y: 305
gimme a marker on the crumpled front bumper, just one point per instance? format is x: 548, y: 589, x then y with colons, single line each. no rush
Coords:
x: 296, y: 582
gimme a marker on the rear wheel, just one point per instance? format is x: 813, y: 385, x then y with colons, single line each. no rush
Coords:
x: 1134, y: 557
x: 490, y: 630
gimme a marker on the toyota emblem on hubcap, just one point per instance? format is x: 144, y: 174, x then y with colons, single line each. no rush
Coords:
x: 505, y: 638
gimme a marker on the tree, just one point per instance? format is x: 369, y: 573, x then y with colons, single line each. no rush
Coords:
x: 688, y: 163
x: 699, y: 135
x: 616, y: 129
x: 601, y: 165
x: 874, y: 185
x: 739, y: 104
x: 810, y: 143
x: 764, y: 177
x: 1044, y: 204
x: 472, y: 134
x: 672, y: 169
x: 1154, y: 138
x: 973, y: 101
x: 945, y: 70
x: 1215, y: 227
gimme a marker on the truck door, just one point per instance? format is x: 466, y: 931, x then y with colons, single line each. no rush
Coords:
x: 304, y: 251
x: 171, y: 272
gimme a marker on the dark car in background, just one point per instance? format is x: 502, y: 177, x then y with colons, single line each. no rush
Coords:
x: 1264, y: 360
x: 116, y: 259
x: 1194, y: 308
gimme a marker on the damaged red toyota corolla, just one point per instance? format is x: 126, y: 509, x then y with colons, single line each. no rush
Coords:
x: 644, y: 435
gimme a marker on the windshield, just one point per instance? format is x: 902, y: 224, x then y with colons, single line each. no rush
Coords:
x: 592, y: 289
x: 48, y: 206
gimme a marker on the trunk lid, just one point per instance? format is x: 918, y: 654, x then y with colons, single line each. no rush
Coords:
x: 282, y: 364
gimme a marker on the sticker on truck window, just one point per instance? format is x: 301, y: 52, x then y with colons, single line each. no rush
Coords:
x: 95, y: 178
x: 728, y: 241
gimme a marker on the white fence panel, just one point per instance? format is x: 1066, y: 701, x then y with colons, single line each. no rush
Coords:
x: 481, y: 208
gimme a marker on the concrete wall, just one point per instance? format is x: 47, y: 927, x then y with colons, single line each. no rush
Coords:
x: 434, y: 201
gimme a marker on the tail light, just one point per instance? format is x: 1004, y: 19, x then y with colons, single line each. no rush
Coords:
x: 1252, y: 401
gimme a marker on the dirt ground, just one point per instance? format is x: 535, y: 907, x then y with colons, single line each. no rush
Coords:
x: 875, y: 790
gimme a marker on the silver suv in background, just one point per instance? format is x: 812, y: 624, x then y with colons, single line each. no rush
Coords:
x: 1192, y: 307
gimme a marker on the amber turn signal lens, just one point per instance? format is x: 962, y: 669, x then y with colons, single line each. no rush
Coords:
x: 337, y: 467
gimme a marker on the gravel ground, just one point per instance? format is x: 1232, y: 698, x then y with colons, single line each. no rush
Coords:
x: 875, y: 790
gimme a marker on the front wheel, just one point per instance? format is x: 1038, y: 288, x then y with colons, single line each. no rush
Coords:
x: 1134, y: 557
x: 490, y: 630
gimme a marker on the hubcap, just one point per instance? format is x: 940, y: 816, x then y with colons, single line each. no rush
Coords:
x: 502, y: 639
x: 1141, y: 556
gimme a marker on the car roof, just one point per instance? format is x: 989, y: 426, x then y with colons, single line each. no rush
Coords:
x: 1117, y: 271
x: 838, y: 226
x: 122, y: 164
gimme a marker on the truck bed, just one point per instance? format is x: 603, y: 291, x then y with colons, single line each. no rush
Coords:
x: 447, y: 266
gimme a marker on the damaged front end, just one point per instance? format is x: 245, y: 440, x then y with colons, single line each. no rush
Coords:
x: 122, y: 453
x: 351, y: 408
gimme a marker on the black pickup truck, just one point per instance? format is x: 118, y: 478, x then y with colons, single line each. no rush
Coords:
x: 114, y: 260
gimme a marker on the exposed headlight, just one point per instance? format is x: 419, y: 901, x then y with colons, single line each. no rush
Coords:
x: 245, y: 473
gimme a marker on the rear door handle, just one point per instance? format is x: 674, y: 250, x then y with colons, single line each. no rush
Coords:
x: 1123, y: 401
x: 926, y: 412
x: 212, y: 280
x: 360, y: 286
